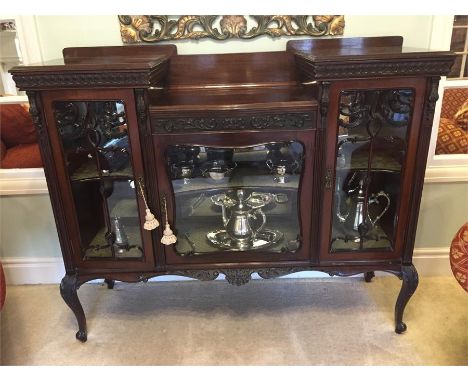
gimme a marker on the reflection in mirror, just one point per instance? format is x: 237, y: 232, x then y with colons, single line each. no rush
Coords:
x: 371, y: 150
x: 236, y: 199
x: 94, y: 136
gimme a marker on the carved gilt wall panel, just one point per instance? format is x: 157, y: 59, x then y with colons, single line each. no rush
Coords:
x: 154, y: 28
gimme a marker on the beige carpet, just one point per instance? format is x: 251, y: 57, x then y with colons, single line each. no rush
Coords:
x: 266, y: 322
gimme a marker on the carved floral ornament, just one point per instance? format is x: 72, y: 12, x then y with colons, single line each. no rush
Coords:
x: 153, y: 28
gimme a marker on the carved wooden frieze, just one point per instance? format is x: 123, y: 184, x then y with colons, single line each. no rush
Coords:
x: 238, y: 276
x: 202, y: 275
x: 255, y: 122
x: 83, y: 78
x: 154, y: 28
x: 80, y: 80
x: 342, y: 69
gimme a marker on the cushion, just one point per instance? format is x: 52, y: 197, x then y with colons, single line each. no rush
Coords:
x: 459, y: 256
x: 22, y: 156
x: 16, y: 126
x: 451, y: 138
x: 461, y: 116
x: 452, y: 100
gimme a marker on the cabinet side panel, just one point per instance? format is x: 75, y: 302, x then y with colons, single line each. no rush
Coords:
x: 36, y: 110
x: 430, y: 99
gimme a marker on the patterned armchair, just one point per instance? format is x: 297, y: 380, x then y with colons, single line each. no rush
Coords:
x: 452, y: 137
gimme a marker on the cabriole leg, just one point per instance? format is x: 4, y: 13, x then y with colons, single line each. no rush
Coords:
x: 68, y: 288
x: 410, y: 279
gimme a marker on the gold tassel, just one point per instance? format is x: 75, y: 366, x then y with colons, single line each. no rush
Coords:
x: 168, y: 236
x: 150, y: 221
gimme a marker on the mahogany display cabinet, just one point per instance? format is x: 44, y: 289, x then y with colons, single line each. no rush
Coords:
x: 312, y: 158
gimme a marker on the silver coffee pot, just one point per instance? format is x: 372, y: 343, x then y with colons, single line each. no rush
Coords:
x: 244, y: 215
x: 354, y: 218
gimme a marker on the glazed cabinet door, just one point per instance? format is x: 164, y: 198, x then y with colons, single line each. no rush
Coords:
x: 95, y: 143
x: 236, y: 196
x: 372, y: 134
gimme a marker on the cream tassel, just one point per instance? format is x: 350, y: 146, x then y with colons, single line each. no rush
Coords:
x: 168, y: 236
x: 150, y: 221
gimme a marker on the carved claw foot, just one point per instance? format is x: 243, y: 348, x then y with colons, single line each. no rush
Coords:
x: 68, y: 288
x: 400, y: 327
x: 368, y: 276
x: 110, y: 283
x: 410, y: 279
x: 81, y: 335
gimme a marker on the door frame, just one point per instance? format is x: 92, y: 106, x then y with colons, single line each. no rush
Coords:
x: 240, y: 139
x: 147, y: 261
x: 418, y: 85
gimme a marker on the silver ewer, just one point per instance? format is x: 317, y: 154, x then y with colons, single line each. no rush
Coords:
x: 121, y: 238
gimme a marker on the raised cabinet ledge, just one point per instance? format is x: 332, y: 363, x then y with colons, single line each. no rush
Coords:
x: 105, y: 67
x: 69, y: 77
x: 312, y: 68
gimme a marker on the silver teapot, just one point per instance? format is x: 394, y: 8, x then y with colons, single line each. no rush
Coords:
x: 354, y: 219
x: 244, y: 215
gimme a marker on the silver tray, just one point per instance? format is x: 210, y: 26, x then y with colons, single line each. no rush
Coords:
x: 263, y: 239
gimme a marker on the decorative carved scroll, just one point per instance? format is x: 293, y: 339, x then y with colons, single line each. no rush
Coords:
x: 392, y: 106
x: 363, y: 68
x: 257, y: 122
x: 153, y: 28
x: 202, y: 275
x: 238, y: 276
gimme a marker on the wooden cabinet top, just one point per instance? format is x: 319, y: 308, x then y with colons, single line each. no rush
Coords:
x: 159, y: 66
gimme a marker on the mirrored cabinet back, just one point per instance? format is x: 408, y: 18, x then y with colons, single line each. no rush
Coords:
x: 272, y: 163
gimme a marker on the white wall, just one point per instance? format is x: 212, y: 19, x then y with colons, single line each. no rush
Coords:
x: 58, y: 32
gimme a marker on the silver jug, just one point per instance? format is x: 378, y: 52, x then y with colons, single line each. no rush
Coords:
x: 121, y: 238
x: 354, y: 219
x: 243, y: 212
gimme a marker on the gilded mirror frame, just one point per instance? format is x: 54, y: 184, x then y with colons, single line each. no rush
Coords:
x: 155, y: 28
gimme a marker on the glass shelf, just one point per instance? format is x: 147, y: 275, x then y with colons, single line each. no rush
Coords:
x: 88, y: 171
x: 379, y: 162
x: 239, y: 178
x: 132, y: 232
x: 376, y: 239
x: 193, y: 241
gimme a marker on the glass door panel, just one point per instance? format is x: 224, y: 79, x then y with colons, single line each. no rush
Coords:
x: 236, y: 199
x: 371, y: 150
x: 96, y: 147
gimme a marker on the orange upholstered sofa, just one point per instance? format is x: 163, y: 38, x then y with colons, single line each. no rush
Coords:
x: 19, y: 147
